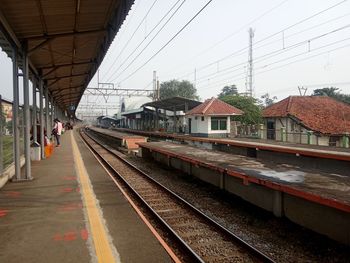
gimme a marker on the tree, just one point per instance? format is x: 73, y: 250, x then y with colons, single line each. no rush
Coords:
x: 252, y: 112
x: 267, y: 101
x: 9, y: 126
x: 175, y: 88
x: 228, y: 91
x: 333, y: 93
x: 330, y: 92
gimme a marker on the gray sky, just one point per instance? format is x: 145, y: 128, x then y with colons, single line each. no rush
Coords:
x: 314, y: 52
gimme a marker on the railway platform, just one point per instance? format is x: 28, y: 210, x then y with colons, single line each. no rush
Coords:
x: 312, y: 198
x: 72, y: 212
x: 308, y: 156
x: 125, y: 140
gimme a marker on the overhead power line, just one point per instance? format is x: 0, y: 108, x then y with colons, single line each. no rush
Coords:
x: 133, y: 34
x: 238, y: 52
x: 167, y: 43
x: 240, y: 29
x: 221, y: 82
x: 173, y: 14
x: 233, y: 68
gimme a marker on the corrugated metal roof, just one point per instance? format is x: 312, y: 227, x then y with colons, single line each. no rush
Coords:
x: 66, y: 39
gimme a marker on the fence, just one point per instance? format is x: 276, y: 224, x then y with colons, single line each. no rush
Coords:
x: 281, y: 135
x: 6, y: 134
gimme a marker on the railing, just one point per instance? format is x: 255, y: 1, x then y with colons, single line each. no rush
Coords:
x: 6, y: 135
x: 297, y: 137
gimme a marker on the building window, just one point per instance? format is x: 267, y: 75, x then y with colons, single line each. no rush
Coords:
x: 202, y: 118
x: 195, y: 118
x: 218, y: 123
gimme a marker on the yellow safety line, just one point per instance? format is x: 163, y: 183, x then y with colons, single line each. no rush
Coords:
x: 98, y: 232
x: 170, y: 252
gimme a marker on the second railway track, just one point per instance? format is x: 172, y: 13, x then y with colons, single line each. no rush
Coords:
x: 203, y: 238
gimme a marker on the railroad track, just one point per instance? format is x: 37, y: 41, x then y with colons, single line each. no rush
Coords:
x: 201, y: 237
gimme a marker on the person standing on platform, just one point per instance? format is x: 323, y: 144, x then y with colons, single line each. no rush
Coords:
x: 57, y: 131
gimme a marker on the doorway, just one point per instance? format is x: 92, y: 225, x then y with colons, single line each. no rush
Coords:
x: 271, y: 130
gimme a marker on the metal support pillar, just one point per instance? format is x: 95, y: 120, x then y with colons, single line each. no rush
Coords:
x: 41, y: 118
x: 174, y: 120
x: 26, y: 115
x: 185, y: 130
x: 15, y: 117
x: 35, y: 120
x: 52, y: 112
x: 157, y: 120
x: 1, y: 141
x: 47, y: 121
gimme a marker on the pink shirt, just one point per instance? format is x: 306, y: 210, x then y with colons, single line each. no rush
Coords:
x: 58, y: 126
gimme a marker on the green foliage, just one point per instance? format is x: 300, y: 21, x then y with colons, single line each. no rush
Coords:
x: 267, y: 100
x: 228, y: 91
x: 9, y: 126
x: 2, y: 119
x: 252, y: 112
x: 333, y: 93
x: 175, y: 88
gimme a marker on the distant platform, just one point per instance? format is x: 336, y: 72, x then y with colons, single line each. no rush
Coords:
x: 302, y: 195
x: 125, y: 140
x: 300, y: 149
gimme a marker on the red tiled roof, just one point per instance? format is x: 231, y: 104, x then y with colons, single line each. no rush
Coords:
x: 214, y: 106
x: 318, y: 113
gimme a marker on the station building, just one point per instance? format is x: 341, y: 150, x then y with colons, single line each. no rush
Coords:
x: 212, y: 118
x: 318, y: 120
x: 107, y: 122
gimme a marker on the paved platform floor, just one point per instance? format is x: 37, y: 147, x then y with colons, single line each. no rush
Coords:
x: 334, y: 188
x: 46, y: 220
x: 307, y: 150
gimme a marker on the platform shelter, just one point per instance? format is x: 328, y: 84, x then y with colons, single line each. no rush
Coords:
x: 55, y: 48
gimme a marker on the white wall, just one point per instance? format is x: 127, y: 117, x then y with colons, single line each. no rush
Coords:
x: 199, y: 126
x: 228, y: 127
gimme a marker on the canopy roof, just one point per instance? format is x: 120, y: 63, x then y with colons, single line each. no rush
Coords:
x: 174, y: 103
x: 66, y: 40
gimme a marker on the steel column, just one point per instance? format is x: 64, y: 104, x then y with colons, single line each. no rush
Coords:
x: 1, y: 141
x: 15, y: 117
x: 174, y: 120
x: 52, y: 112
x: 26, y: 116
x: 35, y: 129
x: 41, y: 118
x: 48, y: 129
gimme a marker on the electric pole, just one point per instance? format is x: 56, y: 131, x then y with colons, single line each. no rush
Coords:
x: 249, y: 82
x: 154, y: 85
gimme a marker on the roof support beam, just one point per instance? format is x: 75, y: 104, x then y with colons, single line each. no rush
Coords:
x: 68, y: 34
x: 71, y: 99
x: 13, y: 39
x: 32, y: 50
x: 66, y: 65
x: 57, y: 91
x: 67, y: 76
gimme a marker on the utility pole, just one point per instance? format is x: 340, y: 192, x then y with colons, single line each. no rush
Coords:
x: 300, y: 90
x: 158, y: 90
x: 249, y: 83
x: 154, y: 85
x: 195, y: 77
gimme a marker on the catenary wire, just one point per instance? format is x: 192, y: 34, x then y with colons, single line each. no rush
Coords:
x: 131, y: 37
x: 268, y: 37
x: 130, y: 63
x: 167, y: 43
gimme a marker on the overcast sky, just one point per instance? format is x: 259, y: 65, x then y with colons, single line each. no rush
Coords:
x: 293, y: 46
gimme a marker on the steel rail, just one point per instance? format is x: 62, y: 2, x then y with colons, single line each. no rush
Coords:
x: 252, y: 250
